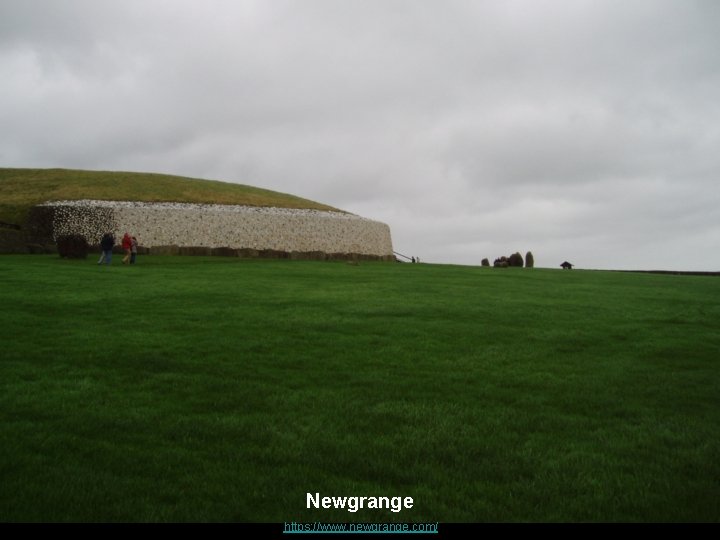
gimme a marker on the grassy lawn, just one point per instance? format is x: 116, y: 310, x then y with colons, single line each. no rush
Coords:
x: 214, y: 389
x: 20, y: 189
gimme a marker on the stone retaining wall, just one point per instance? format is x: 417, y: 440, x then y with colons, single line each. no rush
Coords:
x: 239, y: 228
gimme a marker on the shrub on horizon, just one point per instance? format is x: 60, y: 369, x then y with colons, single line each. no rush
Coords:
x: 529, y: 260
x: 515, y: 260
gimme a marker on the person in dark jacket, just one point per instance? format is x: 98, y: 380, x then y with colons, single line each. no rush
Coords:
x: 106, y: 244
x: 133, y: 250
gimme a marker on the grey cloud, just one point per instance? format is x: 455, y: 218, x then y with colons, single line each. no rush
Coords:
x: 575, y: 129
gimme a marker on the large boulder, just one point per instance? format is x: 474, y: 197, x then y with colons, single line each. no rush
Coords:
x: 72, y: 246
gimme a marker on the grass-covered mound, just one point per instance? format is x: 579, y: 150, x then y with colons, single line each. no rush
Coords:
x: 21, y: 189
x: 212, y: 389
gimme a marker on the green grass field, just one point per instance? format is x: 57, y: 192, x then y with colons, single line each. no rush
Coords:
x: 215, y: 389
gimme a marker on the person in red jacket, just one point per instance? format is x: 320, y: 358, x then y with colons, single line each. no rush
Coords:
x: 127, y: 247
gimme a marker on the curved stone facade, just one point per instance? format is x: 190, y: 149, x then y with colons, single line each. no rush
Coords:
x: 223, y: 226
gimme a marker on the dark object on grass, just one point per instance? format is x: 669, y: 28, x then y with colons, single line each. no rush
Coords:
x: 502, y: 262
x: 529, y: 260
x: 515, y: 260
x: 72, y: 246
x: 566, y: 266
x: 485, y: 262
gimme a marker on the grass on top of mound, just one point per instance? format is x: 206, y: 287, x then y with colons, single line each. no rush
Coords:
x: 21, y: 189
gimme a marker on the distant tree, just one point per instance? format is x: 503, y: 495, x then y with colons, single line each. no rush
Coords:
x: 529, y: 260
x: 72, y: 246
x: 485, y: 262
x: 515, y: 260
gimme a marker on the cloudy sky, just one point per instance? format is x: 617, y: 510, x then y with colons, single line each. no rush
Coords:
x: 580, y: 130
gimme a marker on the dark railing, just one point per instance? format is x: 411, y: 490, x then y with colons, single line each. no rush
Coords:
x: 413, y: 259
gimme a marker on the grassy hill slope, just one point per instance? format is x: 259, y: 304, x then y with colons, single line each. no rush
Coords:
x: 21, y: 189
x: 221, y: 389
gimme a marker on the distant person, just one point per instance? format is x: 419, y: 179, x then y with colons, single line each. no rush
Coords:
x: 106, y: 244
x: 413, y: 260
x: 127, y: 247
x: 133, y: 250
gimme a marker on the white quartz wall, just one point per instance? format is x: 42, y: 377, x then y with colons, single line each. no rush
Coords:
x: 163, y: 224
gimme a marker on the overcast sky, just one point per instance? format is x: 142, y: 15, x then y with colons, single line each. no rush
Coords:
x: 580, y: 130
